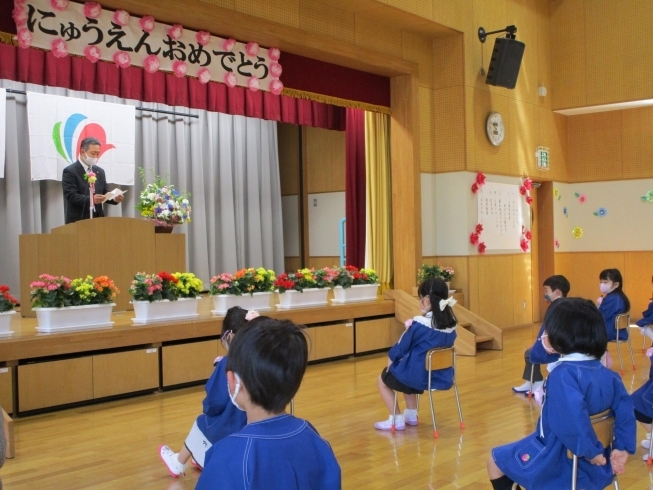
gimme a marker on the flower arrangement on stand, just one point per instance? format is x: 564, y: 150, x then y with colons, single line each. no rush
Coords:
x: 7, y: 304
x: 161, y: 203
x: 250, y: 289
x: 435, y: 271
x: 354, y: 285
x: 164, y: 296
x: 62, y: 304
x: 305, y: 287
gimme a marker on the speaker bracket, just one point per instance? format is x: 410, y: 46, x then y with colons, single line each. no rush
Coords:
x: 510, y: 30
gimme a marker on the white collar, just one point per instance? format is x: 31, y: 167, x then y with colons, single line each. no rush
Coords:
x: 573, y: 357
x: 426, y: 321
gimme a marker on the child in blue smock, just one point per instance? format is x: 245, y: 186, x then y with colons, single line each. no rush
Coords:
x: 219, y: 417
x: 613, y: 303
x: 275, y: 451
x: 579, y: 386
x: 405, y: 373
x: 646, y: 323
x: 643, y: 402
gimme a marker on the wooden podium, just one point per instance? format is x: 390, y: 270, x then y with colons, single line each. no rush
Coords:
x: 114, y: 247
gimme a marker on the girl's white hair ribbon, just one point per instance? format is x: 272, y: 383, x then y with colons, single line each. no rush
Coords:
x: 447, y: 302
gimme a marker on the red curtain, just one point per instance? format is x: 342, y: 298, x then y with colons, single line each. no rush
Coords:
x: 75, y: 73
x: 355, y: 187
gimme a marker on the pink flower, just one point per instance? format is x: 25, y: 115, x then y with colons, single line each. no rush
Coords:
x: 523, y: 243
x: 179, y: 68
x: 92, y: 10
x: 203, y: 38
x: 147, y: 23
x: 473, y: 238
x: 121, y: 17
x: 274, y: 54
x: 20, y: 16
x: 228, y: 44
x: 528, y: 184
x: 582, y: 198
x: 59, y: 5
x: 251, y: 314
x: 59, y: 48
x: 122, y: 59
x: 251, y: 49
x: 230, y: 80
x: 480, y: 178
x: 152, y: 63
x: 92, y: 53
x: 204, y: 75
x: 253, y: 84
x: 223, y: 286
x: 52, y: 287
x: 528, y: 235
x: 275, y: 69
x: 529, y: 200
x: 556, y: 243
x: 19, y: 3
x: 522, y: 190
x: 175, y: 31
x: 481, y: 247
x: 479, y: 228
x: 276, y: 87
x: 474, y: 187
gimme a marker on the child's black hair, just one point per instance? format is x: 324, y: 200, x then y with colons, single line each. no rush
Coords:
x: 615, y: 276
x: 576, y: 325
x: 270, y: 357
x: 559, y: 283
x: 436, y: 290
x: 234, y: 320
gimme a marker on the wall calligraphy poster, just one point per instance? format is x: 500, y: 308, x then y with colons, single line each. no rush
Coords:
x: 3, y: 126
x: 57, y: 125
x: 98, y: 34
x: 500, y: 213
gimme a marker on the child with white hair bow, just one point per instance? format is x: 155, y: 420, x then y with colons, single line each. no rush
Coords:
x: 436, y: 327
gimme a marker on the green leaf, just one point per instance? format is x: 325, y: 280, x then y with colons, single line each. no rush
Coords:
x: 56, y: 137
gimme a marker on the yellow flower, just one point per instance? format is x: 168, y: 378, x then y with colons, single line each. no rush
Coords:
x: 258, y: 278
x: 556, y: 193
x: 577, y: 232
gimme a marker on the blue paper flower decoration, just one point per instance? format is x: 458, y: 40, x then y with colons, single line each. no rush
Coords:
x: 601, y: 212
x: 566, y: 212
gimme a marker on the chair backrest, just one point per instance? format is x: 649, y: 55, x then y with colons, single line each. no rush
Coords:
x: 441, y: 358
x: 603, y: 425
x: 622, y: 321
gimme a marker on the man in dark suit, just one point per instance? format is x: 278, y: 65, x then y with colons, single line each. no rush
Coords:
x: 76, y: 187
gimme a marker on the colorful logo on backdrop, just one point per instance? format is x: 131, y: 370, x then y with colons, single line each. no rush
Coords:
x: 67, y: 138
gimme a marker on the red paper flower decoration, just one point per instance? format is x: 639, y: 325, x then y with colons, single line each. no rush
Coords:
x: 253, y: 84
x: 529, y: 200
x: 275, y: 69
x: 204, y: 75
x: 24, y: 37
x: 528, y: 235
x: 59, y: 5
x: 528, y: 184
x: 175, y: 31
x: 251, y: 49
x: 122, y: 59
x: 474, y: 187
x: 228, y: 44
x: 276, y: 87
x: 524, y: 244
x: 473, y: 238
x: 479, y: 228
x: 152, y: 63
x: 179, y: 68
x: 147, y: 23
x: 121, y: 17
x: 480, y: 178
x: 92, y: 10
x: 20, y: 16
x: 92, y: 53
x: 203, y: 38
x: 481, y: 248
x: 230, y: 80
x: 59, y: 48
x: 556, y: 243
x: 522, y: 190
x: 274, y: 54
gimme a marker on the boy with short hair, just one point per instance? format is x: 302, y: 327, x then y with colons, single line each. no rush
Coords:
x: 555, y: 287
x: 266, y: 364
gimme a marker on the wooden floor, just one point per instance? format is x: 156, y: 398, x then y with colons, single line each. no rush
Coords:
x: 114, y: 445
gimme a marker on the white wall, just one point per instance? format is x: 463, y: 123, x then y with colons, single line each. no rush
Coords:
x: 290, y: 212
x: 325, y: 210
x: 627, y: 226
x: 450, y: 213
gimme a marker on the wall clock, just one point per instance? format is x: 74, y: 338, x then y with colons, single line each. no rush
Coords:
x: 495, y: 128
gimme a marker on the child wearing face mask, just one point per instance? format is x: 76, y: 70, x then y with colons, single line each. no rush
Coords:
x: 555, y: 288
x: 275, y: 450
x: 436, y: 327
x: 613, y: 302
x: 219, y: 417
x: 643, y: 401
x: 579, y: 387
x: 646, y: 323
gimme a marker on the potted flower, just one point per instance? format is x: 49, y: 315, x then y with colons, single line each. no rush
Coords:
x: 353, y: 285
x: 163, y: 296
x: 248, y: 288
x: 433, y: 271
x: 161, y: 203
x: 7, y: 304
x: 62, y: 305
x: 306, y: 287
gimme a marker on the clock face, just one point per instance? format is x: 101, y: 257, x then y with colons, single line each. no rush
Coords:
x: 495, y: 129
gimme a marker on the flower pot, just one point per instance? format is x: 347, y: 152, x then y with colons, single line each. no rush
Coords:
x: 355, y: 294
x: 448, y: 283
x: 163, y: 229
x: 5, y: 323
x: 258, y: 301
x: 309, y: 297
x: 70, y: 318
x: 164, y: 310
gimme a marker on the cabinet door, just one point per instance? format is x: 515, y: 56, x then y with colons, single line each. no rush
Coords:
x: 381, y: 333
x: 312, y: 340
x: 334, y: 341
x: 6, y: 390
x: 125, y: 372
x: 185, y: 363
x: 48, y: 384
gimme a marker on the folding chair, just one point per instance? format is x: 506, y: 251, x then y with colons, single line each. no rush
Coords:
x: 644, y: 337
x: 437, y: 358
x: 603, y: 425
x: 622, y: 322
x: 649, y: 461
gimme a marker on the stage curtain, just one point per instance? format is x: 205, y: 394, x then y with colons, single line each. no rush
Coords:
x: 229, y: 164
x: 378, y: 239
x: 355, y: 187
x: 76, y: 73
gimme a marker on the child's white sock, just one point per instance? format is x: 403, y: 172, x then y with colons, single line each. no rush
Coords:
x: 410, y: 413
x: 648, y: 331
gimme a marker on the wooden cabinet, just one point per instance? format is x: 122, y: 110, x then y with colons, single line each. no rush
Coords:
x: 334, y: 340
x: 381, y: 333
x: 311, y: 338
x: 185, y: 363
x: 125, y: 372
x: 48, y: 384
x: 6, y: 390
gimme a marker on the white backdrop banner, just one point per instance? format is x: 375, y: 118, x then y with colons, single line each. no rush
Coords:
x: 89, y: 30
x: 3, y: 129
x: 500, y: 213
x: 57, y: 125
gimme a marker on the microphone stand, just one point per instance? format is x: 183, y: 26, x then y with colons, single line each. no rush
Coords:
x: 91, y: 188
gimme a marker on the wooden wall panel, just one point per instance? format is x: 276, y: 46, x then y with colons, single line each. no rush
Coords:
x: 321, y: 262
x: 448, y: 62
x: 284, y: 12
x: 525, y: 137
x: 376, y: 36
x: 495, y: 298
x: 185, y: 363
x: 288, y: 136
x: 326, y: 20
x: 6, y: 389
x: 594, y: 143
x: 325, y: 152
x: 382, y: 333
x: 419, y: 49
x: 334, y: 341
x: 553, y: 135
x: 427, y: 130
x: 460, y: 264
x: 523, y: 13
x: 637, y: 141
x: 522, y: 289
x: 292, y: 263
x: 638, y: 279
x: 449, y: 129
x: 125, y: 372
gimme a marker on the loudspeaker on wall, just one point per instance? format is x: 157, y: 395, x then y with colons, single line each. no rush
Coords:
x: 505, y: 62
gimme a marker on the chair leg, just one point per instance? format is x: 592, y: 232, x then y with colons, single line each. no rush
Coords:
x: 292, y: 407
x: 394, y: 414
x: 649, y: 461
x: 644, y: 339
x: 621, y: 364
x: 632, y: 356
x: 616, y: 483
x: 574, y: 473
x: 9, y: 435
x: 530, y: 389
x: 435, y: 429
x: 460, y: 410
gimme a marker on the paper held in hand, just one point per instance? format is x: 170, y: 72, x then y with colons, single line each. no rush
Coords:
x: 113, y: 194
